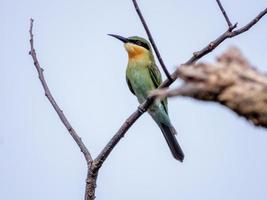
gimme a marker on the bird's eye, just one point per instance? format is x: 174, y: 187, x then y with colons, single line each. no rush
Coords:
x: 139, y: 43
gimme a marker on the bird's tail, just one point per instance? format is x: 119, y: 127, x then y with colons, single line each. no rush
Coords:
x: 169, y: 133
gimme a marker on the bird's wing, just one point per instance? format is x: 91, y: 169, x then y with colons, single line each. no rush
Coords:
x: 129, y: 85
x: 156, y: 78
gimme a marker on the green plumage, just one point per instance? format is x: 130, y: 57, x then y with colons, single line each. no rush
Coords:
x: 143, y: 76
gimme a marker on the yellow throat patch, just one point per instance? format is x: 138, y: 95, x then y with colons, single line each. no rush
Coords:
x: 135, y: 51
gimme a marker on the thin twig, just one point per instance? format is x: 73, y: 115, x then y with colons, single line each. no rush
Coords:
x: 121, y: 132
x: 250, y: 24
x: 51, y: 99
x: 151, y: 39
x: 224, y: 14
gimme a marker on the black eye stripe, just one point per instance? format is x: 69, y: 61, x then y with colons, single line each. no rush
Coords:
x: 139, y: 43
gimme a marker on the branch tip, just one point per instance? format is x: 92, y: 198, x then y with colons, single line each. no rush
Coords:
x: 151, y: 40
x: 224, y: 14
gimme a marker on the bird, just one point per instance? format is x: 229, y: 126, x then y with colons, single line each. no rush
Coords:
x: 142, y: 77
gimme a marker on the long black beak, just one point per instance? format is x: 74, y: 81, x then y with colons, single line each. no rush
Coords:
x: 123, y: 39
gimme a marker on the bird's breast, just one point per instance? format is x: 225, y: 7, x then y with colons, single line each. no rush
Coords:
x: 140, y: 80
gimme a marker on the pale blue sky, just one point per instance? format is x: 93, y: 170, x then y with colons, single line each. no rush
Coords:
x: 225, y: 157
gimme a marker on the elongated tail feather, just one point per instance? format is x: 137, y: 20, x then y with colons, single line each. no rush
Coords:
x: 169, y: 134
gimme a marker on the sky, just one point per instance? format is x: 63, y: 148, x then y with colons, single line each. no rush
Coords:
x: 225, y: 156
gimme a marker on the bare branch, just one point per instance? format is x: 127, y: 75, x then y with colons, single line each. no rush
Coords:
x: 103, y: 155
x: 224, y: 14
x: 228, y: 34
x: 232, y: 81
x: 250, y: 24
x: 121, y: 132
x: 92, y: 173
x: 51, y: 99
x: 151, y: 39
